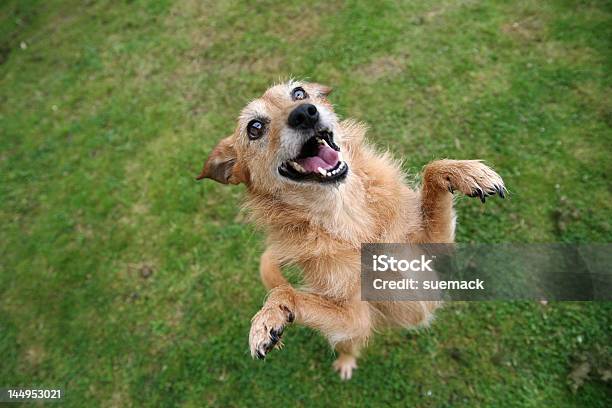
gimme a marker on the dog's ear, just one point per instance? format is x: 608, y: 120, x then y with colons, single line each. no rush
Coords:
x: 322, y: 90
x: 222, y: 165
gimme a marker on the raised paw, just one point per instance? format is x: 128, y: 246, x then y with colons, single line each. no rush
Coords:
x: 474, y: 179
x: 345, y: 364
x: 267, y: 327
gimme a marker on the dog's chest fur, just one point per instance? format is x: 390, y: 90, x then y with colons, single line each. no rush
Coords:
x: 322, y: 232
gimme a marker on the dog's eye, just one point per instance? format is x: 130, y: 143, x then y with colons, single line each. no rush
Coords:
x: 298, y: 94
x: 255, y: 129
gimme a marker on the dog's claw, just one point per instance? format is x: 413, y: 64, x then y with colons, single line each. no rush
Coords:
x: 274, y: 341
x: 275, y: 335
x: 499, y: 189
x: 478, y: 193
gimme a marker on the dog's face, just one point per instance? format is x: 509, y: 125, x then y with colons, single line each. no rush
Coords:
x: 289, y: 137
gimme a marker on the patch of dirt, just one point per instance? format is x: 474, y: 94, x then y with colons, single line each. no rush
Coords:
x: 84, y: 230
x: 440, y: 10
x: 578, y: 375
x: 529, y: 29
x: 595, y: 365
x: 385, y: 66
x: 34, y: 355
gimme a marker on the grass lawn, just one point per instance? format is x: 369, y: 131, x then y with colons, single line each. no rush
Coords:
x: 127, y: 283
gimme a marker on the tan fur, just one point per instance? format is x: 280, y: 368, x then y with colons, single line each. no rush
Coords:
x: 320, y: 227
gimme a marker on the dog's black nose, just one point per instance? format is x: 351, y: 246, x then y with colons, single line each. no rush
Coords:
x: 304, y: 116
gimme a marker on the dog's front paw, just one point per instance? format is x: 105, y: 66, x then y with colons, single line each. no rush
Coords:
x: 475, y: 179
x: 267, y: 327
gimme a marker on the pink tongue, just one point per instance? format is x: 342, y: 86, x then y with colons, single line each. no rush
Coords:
x: 327, y: 158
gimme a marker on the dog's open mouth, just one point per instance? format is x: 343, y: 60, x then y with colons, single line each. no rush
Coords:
x: 319, y: 160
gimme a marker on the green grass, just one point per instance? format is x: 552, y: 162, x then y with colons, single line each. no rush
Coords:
x: 108, y: 109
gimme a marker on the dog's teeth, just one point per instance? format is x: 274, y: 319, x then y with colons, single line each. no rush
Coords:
x: 340, y: 157
x: 322, y: 171
x: 296, y: 166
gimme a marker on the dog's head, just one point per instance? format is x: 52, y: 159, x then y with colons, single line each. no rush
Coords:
x: 289, y: 137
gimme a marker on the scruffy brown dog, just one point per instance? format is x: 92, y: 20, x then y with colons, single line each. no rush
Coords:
x: 319, y: 191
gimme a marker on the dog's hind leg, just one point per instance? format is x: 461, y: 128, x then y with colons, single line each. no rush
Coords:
x: 348, y: 352
x: 270, y: 271
x: 441, y: 179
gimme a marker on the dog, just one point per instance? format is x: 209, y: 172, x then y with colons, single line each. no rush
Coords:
x: 319, y: 191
